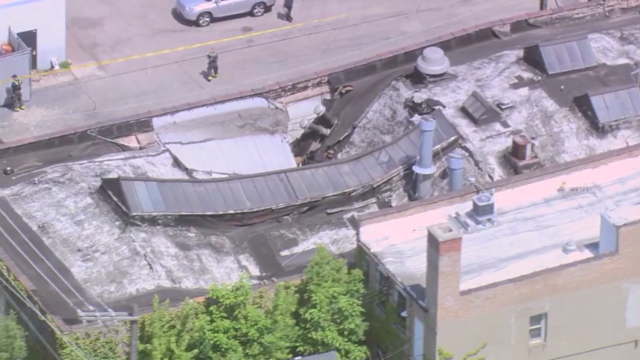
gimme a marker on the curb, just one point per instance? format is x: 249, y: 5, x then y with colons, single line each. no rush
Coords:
x: 412, y: 51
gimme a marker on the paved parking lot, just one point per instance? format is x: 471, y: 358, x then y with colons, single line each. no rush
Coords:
x: 102, y: 30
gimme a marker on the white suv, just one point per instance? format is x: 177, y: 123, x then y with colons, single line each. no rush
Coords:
x: 202, y: 12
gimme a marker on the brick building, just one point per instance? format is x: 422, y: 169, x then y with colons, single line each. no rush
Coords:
x: 548, y: 269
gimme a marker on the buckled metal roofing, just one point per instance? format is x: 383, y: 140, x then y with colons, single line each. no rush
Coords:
x: 611, y: 105
x: 140, y: 196
x: 561, y: 55
x: 236, y: 156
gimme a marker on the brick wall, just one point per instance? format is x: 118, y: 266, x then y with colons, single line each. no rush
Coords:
x: 590, y: 305
x: 566, y: 279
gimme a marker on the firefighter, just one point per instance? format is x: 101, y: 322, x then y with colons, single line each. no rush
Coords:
x: 16, y: 93
x: 212, y: 67
x: 288, y: 7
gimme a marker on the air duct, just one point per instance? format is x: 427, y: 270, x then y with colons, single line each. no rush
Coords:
x: 455, y: 168
x: 424, y: 168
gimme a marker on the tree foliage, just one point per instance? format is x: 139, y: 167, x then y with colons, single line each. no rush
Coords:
x: 472, y: 355
x: 322, y: 313
x: 13, y: 338
x: 95, y: 345
x: 331, y: 314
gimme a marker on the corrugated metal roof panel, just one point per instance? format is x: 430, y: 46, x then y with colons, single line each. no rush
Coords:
x: 237, y: 156
x: 251, y: 193
x: 571, y: 55
x: 615, y: 105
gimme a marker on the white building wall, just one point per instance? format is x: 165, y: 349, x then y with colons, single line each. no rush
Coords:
x: 47, y: 16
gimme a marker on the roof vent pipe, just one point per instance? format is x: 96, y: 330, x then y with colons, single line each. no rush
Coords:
x: 455, y: 167
x: 433, y: 62
x: 424, y: 168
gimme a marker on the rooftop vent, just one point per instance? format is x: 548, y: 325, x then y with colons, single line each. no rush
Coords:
x: 569, y: 247
x: 483, y: 206
x: 560, y: 56
x: 479, y: 110
x: 606, y: 108
x: 433, y: 62
x: 521, y: 147
x: 455, y: 167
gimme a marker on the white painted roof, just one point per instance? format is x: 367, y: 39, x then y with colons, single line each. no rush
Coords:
x: 534, y: 221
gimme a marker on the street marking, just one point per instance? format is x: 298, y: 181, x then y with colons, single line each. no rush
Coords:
x: 181, y: 48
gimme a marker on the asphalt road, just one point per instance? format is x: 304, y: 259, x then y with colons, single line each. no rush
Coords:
x: 103, y: 30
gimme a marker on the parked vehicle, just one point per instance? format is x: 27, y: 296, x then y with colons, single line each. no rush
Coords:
x: 202, y: 12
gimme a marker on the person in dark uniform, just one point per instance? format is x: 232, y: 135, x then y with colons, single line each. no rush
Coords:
x: 16, y: 93
x: 288, y: 6
x: 212, y: 67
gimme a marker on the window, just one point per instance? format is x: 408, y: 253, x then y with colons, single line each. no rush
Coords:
x: 401, y: 306
x: 365, y: 271
x: 537, y: 328
x: 381, y: 286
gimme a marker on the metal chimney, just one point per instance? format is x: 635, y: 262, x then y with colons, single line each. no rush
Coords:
x: 424, y: 168
x: 455, y: 167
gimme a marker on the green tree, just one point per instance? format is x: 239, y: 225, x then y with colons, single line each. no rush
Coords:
x: 472, y: 355
x: 13, y: 338
x: 171, y: 334
x: 96, y: 345
x: 283, y: 331
x: 237, y: 324
x: 331, y: 314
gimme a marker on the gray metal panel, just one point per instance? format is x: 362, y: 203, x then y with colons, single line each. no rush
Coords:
x: 240, y: 199
x: 549, y: 60
x: 360, y: 171
x: 407, y: 146
x: 240, y: 156
x: 283, y: 181
x: 279, y: 188
x: 334, y: 175
x: 131, y: 201
x: 265, y: 193
x: 398, y: 155
x: 251, y: 194
x: 625, y: 105
x: 634, y: 96
x: 386, y: 162
x: 561, y: 57
x: 323, y: 180
x: 611, y: 103
x: 209, y: 197
x: 228, y: 198
x: 142, y: 194
x: 314, y: 188
x: 168, y: 192
x: 347, y: 173
x: 587, y: 54
x: 156, y: 198
x: 373, y: 167
x: 568, y: 56
x: 573, y: 53
x: 616, y: 105
x: 191, y: 198
x: 298, y: 185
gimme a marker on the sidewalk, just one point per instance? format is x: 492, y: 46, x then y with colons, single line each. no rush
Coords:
x: 122, y: 90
